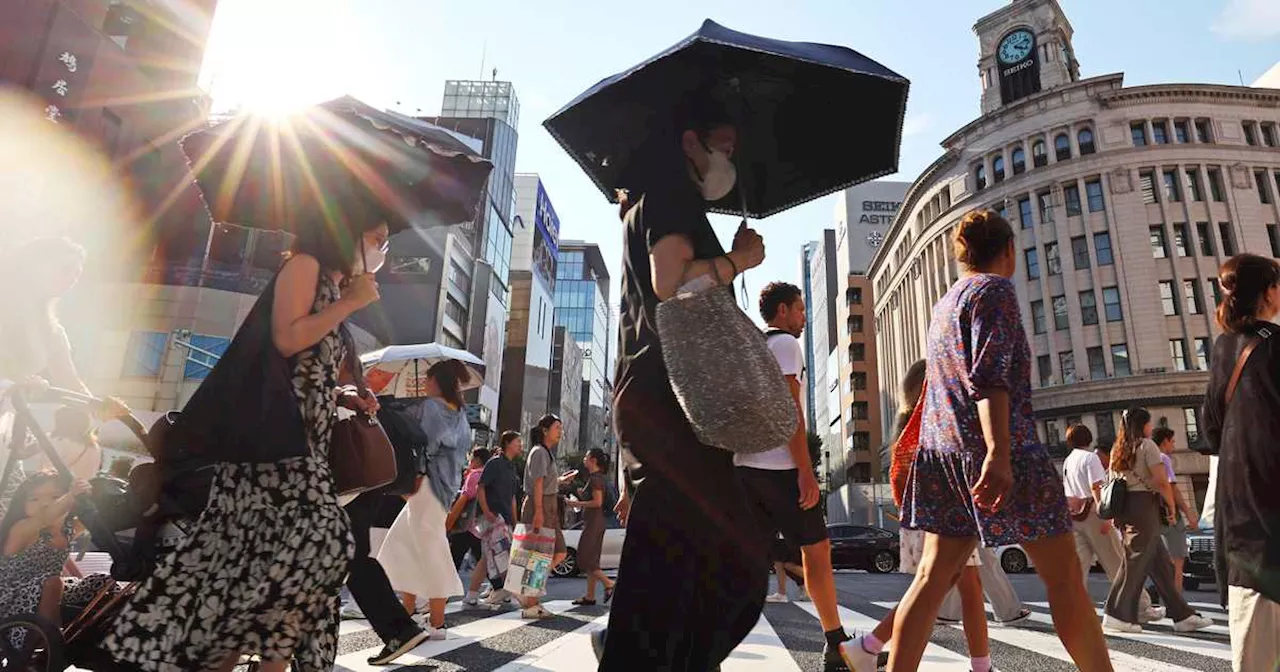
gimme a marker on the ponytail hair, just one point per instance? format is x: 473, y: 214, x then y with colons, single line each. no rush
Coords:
x: 1133, y: 425
x: 601, y: 458
x: 538, y: 434
x: 1245, y: 280
x: 449, y: 375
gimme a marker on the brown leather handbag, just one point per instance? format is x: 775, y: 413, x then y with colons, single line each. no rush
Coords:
x: 361, y: 456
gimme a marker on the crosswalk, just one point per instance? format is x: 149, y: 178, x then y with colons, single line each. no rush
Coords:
x: 786, y: 639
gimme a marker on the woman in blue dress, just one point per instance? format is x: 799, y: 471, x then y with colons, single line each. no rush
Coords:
x: 980, y: 475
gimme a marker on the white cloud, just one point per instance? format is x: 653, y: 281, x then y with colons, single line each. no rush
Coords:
x: 1248, y: 19
x: 917, y: 124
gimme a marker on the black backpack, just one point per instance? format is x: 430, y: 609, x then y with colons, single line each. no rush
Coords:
x: 409, y: 441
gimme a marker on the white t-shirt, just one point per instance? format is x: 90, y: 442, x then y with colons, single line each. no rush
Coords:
x: 786, y: 349
x: 1081, y: 470
x: 83, y: 460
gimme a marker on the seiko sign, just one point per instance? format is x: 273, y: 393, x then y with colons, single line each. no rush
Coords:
x: 878, y: 212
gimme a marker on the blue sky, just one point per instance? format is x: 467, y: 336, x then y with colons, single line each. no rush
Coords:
x: 397, y: 54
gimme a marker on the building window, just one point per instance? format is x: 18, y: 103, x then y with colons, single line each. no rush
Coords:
x: 1206, y: 239
x: 1045, y: 200
x: 1039, y: 156
x: 1106, y: 428
x: 1264, y: 188
x: 1037, y: 317
x: 1080, y: 252
x: 1203, y: 347
x: 1178, y: 351
x: 1051, y: 435
x: 1250, y: 137
x: 980, y: 177
x: 1102, y: 248
x: 1033, y: 264
x: 1269, y: 135
x: 1180, y: 244
x: 855, y: 324
x: 455, y: 310
x: 1093, y: 192
x: 859, y: 409
x: 862, y: 442
x: 1046, y: 370
x: 1159, y: 246
x: 1191, y: 293
x: 1202, y: 130
x: 1067, y: 362
x: 145, y: 354
x: 1085, y: 139
x: 1024, y: 212
x: 1193, y: 184
x: 1060, y: 320
x: 1111, y: 304
x: 1097, y: 363
x: 1002, y: 209
x: 1191, y: 423
x: 1215, y: 185
x: 1172, y: 193
x: 1019, y: 159
x: 1180, y: 131
x: 203, y: 355
x: 1051, y: 259
x: 859, y: 380
x: 1168, y: 301
x: 997, y: 169
x: 858, y: 352
x: 1216, y: 290
x: 1147, y: 185
x: 1228, y: 239
x: 1138, y: 131
x: 1160, y: 132
x: 855, y: 296
x: 1120, y: 360
x: 1061, y: 147
x: 1088, y: 307
x: 1071, y: 193
x: 1273, y: 235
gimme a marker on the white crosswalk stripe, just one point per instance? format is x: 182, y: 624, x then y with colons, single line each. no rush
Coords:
x: 496, y: 642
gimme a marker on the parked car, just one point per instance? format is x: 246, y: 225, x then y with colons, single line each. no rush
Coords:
x: 863, y: 547
x: 1013, y: 559
x: 1198, y: 567
x: 610, y: 553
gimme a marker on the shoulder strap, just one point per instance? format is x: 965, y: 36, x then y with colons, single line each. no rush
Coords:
x: 1263, y: 333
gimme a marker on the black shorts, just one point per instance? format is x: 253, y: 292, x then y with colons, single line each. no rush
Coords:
x: 774, y: 495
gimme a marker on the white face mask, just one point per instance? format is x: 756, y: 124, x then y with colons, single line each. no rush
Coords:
x: 720, y: 176
x: 374, y: 257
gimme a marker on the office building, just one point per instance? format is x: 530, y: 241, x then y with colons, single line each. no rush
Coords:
x: 526, y: 380
x: 582, y: 307
x: 1173, y: 179
x: 823, y: 414
x: 566, y: 391
x: 862, y: 215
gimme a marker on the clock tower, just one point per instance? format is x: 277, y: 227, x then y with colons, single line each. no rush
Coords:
x: 1023, y: 48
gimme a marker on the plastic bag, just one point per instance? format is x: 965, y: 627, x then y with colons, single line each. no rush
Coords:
x: 531, y: 553
x: 495, y: 544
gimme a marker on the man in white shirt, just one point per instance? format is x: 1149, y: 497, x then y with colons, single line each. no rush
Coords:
x: 780, y: 483
x: 1082, y: 479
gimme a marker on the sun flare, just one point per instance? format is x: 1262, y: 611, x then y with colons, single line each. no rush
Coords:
x: 275, y: 57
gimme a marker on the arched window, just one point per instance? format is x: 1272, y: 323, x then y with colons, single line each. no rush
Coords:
x: 1085, y: 139
x: 980, y: 176
x: 1039, y: 157
x: 997, y: 169
x: 1019, y: 158
x: 1062, y: 147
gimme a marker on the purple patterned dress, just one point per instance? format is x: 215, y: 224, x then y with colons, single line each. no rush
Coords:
x: 977, y: 342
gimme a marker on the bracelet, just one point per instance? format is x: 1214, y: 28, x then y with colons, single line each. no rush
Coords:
x: 733, y: 265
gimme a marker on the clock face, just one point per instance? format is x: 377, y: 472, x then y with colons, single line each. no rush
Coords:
x: 875, y: 238
x: 1016, y: 46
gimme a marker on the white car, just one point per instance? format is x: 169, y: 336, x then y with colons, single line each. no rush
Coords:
x: 1014, y: 560
x: 610, y: 552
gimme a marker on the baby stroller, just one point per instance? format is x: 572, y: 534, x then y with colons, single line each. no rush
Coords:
x: 135, y: 522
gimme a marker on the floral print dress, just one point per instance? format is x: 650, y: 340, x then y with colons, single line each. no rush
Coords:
x: 262, y: 569
x: 977, y: 342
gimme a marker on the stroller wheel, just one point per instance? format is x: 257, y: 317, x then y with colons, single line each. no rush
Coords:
x: 31, y: 643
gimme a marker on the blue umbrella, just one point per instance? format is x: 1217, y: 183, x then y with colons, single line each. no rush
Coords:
x: 812, y: 119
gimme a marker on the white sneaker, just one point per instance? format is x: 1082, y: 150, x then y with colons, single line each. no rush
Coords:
x: 437, y: 634
x: 857, y: 657
x: 1117, y: 625
x: 1192, y: 623
x: 776, y: 598
x: 486, y: 592
x: 498, y: 598
x: 472, y: 599
x: 802, y: 597
x: 1151, y: 615
x: 351, y: 612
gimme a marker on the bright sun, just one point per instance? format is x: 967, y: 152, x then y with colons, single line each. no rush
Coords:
x: 278, y: 56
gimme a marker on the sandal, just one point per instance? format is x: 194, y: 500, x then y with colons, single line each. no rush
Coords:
x: 608, y: 593
x: 584, y: 602
x: 537, y: 611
